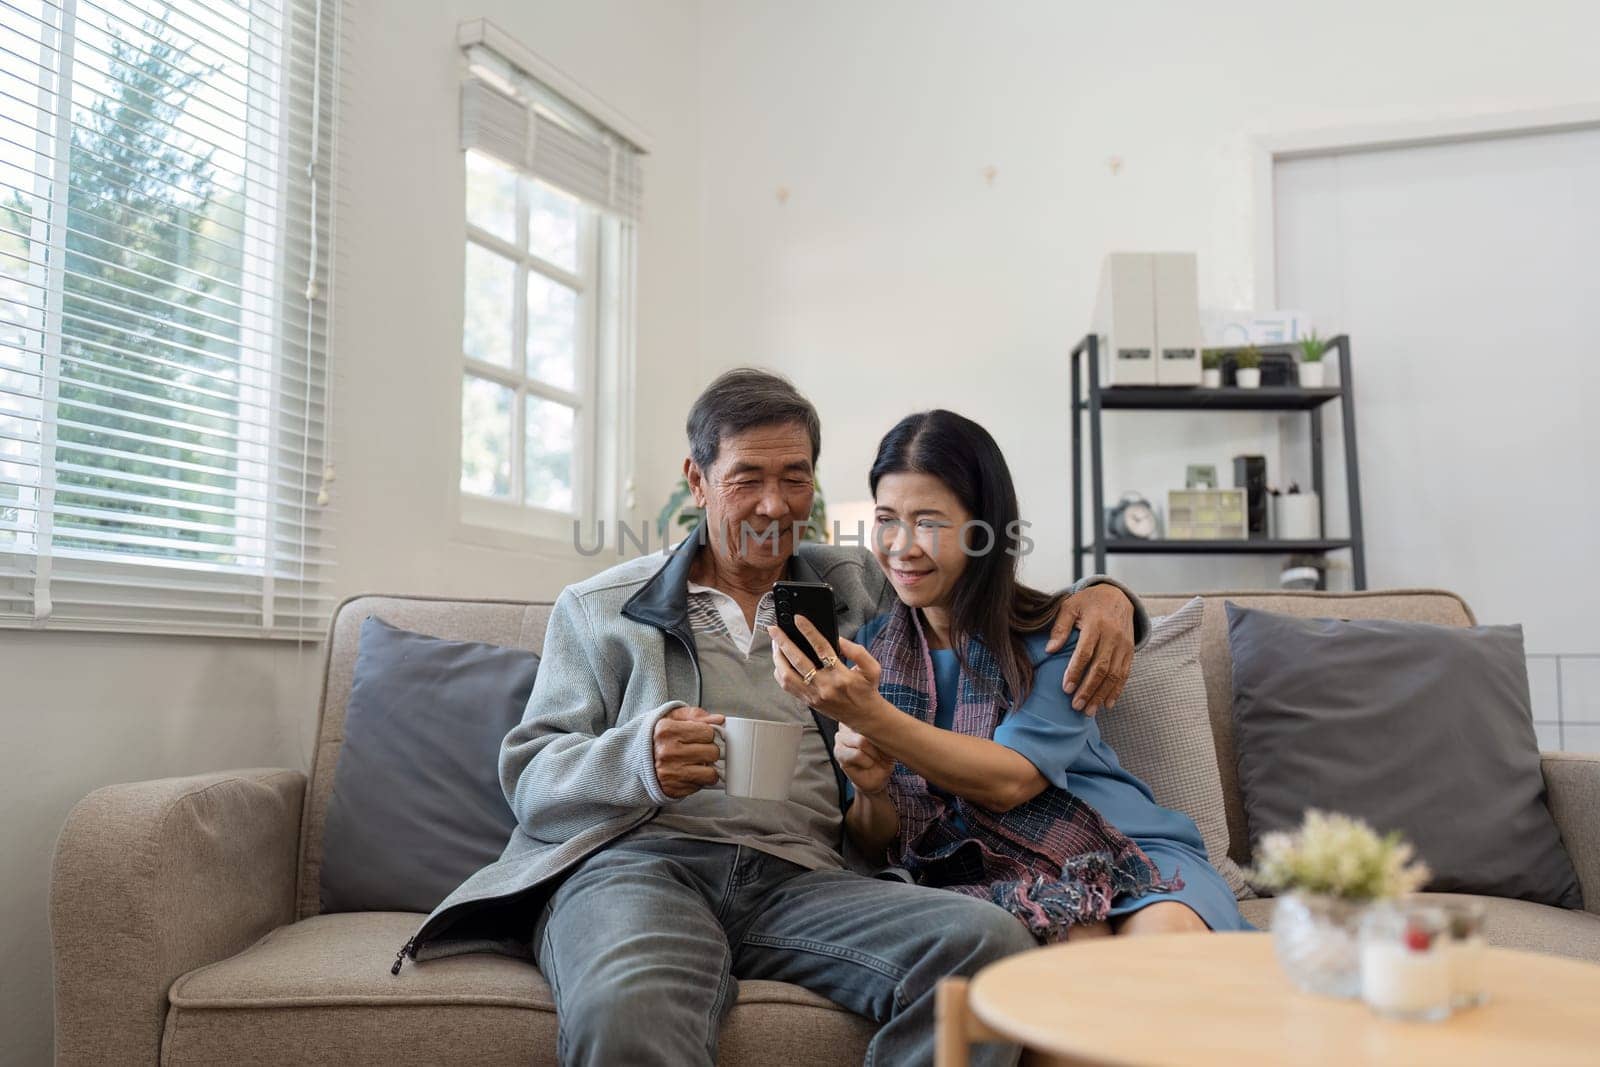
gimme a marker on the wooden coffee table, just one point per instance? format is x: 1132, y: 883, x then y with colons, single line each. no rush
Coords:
x: 1222, y: 999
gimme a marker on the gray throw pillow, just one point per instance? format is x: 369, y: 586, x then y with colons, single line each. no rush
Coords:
x: 1161, y: 732
x: 1413, y: 727
x: 416, y: 804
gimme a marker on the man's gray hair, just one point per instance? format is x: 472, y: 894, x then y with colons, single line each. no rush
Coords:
x: 743, y: 399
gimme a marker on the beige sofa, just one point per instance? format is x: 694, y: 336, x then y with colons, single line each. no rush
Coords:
x: 186, y: 928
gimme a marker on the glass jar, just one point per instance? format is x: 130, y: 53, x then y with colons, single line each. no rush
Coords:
x: 1315, y: 939
x: 1406, y: 955
x: 1466, y: 920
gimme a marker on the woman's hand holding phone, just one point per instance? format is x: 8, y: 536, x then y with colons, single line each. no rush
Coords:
x: 848, y: 694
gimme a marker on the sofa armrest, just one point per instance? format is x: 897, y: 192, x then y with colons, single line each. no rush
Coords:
x: 153, y: 879
x: 1572, y: 785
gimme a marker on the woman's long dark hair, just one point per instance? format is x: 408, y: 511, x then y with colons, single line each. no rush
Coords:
x: 989, y: 603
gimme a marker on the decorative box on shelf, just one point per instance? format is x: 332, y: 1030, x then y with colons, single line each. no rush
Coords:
x: 1207, y: 515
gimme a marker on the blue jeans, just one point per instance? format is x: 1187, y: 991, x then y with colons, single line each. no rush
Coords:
x: 644, y: 945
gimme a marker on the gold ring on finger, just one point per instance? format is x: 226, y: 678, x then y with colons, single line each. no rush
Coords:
x: 805, y: 679
x: 827, y: 661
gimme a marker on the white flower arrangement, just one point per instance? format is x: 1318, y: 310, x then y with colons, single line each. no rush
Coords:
x: 1338, y: 856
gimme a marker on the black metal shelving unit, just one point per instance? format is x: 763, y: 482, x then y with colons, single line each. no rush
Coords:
x: 1088, y: 404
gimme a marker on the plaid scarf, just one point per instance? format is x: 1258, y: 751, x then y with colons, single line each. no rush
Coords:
x: 1052, y: 862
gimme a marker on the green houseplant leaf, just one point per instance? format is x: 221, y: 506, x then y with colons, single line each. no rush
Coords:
x: 1312, y: 348
x: 675, y: 508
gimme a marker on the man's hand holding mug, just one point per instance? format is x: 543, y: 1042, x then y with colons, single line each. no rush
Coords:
x: 686, y: 751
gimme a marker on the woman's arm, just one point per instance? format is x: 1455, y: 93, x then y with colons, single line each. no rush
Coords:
x: 1035, y: 745
x: 1044, y: 734
x: 988, y: 774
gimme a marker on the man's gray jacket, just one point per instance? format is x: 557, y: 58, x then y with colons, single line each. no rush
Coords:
x: 579, y: 770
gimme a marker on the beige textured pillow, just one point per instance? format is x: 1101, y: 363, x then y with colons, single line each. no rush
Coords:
x: 1161, y: 731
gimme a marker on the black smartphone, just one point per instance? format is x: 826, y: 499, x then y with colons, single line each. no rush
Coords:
x: 814, y: 600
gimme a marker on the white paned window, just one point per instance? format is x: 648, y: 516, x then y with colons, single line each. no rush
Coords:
x: 528, y: 335
x: 164, y: 221
x: 551, y: 198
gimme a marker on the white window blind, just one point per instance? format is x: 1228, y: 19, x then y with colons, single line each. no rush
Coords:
x: 165, y: 260
x: 509, y: 114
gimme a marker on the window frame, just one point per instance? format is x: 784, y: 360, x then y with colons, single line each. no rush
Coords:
x: 478, y: 512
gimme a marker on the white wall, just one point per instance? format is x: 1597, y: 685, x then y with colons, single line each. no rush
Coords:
x: 896, y: 278
x: 80, y: 711
x: 1467, y: 267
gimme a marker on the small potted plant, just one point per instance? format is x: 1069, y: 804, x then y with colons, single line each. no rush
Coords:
x: 1211, y: 368
x: 1312, y: 349
x: 1325, y: 875
x: 1247, y: 367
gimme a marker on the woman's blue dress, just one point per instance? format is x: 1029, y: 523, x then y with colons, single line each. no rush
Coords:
x: 1065, y: 745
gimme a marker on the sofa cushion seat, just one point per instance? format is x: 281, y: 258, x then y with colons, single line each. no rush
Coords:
x: 320, y: 991
x: 1519, y: 924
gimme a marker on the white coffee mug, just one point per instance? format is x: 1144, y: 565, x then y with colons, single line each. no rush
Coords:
x: 758, y: 757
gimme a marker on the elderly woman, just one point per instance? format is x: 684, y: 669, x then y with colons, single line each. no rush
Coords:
x: 970, y: 768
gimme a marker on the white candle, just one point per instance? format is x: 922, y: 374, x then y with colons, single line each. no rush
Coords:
x: 1400, y: 980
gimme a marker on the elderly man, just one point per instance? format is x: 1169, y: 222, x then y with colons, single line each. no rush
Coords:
x: 644, y: 895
